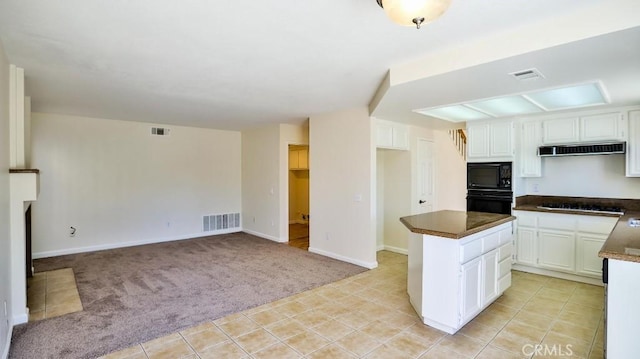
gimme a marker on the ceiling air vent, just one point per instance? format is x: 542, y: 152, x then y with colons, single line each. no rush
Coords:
x: 582, y: 150
x: 160, y: 131
x: 529, y: 74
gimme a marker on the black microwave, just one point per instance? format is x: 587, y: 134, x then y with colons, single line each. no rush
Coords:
x: 489, y: 175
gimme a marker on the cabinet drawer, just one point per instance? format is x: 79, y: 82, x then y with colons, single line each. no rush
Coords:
x: 557, y: 222
x: 490, y: 242
x: 597, y: 225
x: 470, y: 250
x: 526, y: 220
x: 506, y: 236
x: 505, y: 251
x: 504, y: 283
x: 504, y: 267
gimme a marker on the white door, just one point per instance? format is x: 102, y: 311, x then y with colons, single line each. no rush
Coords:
x: 425, y: 183
x: 490, y: 276
x: 556, y: 250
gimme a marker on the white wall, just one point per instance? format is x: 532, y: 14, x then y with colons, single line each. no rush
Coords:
x: 397, y: 185
x: 260, y: 182
x: 5, y: 288
x: 119, y: 186
x: 342, y: 191
x: 584, y: 176
x: 451, y: 174
x: 397, y: 198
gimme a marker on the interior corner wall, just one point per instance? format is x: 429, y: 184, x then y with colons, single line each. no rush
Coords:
x: 5, y: 260
x: 342, y: 186
x: 451, y: 174
x: 397, y: 198
x: 119, y: 186
x: 261, y: 182
x: 380, y: 199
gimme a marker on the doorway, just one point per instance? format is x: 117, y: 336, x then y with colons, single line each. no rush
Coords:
x: 299, y: 217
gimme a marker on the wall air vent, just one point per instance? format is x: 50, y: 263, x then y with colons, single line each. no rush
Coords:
x: 582, y: 149
x: 218, y: 222
x: 528, y: 74
x: 160, y: 131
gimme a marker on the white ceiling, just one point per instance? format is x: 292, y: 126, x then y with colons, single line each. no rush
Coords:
x: 238, y: 64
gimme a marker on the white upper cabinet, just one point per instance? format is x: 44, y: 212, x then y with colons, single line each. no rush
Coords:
x: 560, y: 130
x: 607, y: 126
x: 529, y: 163
x: 490, y: 141
x: 392, y: 135
x: 633, y: 145
x: 592, y: 128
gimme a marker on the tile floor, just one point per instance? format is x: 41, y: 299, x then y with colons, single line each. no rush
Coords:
x: 369, y: 316
x: 52, y: 294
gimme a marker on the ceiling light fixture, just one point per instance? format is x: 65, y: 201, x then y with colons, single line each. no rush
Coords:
x: 414, y: 12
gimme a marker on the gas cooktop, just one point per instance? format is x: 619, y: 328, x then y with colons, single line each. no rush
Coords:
x: 576, y: 207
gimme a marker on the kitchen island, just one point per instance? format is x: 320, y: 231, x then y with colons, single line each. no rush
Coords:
x: 622, y: 253
x: 459, y: 263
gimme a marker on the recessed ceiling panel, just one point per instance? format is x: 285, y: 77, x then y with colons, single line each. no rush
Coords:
x: 456, y: 113
x: 506, y: 106
x: 568, y: 97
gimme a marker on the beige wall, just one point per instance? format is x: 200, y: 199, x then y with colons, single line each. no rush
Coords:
x: 451, y: 174
x: 260, y: 182
x: 120, y: 186
x: 342, y: 190
x: 5, y: 278
x: 397, y: 198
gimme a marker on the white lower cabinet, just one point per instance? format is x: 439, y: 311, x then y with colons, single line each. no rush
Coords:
x: 561, y: 243
x: 587, y: 247
x: 471, y: 289
x: 451, y: 281
x: 526, y: 246
x: 556, y: 250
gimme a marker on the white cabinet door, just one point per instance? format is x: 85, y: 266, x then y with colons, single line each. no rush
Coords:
x: 530, y: 140
x: 606, y: 126
x: 490, y: 274
x: 526, y: 248
x: 633, y: 145
x: 500, y: 139
x: 587, y: 248
x: 384, y: 134
x: 392, y: 135
x: 560, y: 130
x: 478, y: 145
x: 556, y: 250
x: 401, y: 137
x: 471, y: 289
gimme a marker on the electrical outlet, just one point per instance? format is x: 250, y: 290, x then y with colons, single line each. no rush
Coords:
x: 535, y: 188
x: 168, y: 224
x: 254, y: 219
x: 5, y: 309
x: 326, y: 236
x: 273, y: 224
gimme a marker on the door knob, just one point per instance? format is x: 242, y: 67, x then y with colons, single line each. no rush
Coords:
x: 421, y: 201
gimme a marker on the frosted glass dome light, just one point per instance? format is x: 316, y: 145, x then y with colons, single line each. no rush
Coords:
x: 414, y: 12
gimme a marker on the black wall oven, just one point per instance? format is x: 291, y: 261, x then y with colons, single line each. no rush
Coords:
x: 489, y: 187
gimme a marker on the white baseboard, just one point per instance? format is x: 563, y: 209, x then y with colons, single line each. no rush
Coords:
x: 101, y: 247
x: 21, y: 318
x: 265, y: 236
x: 396, y: 249
x: 7, y: 342
x: 380, y: 248
x: 368, y: 265
x: 561, y: 275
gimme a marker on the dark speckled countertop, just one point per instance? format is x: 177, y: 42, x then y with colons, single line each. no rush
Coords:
x: 454, y: 224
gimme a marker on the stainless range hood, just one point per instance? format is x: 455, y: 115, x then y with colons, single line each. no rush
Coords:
x: 582, y: 149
